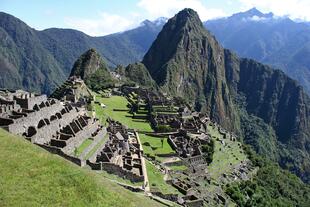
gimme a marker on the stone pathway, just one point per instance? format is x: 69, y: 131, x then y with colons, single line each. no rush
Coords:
x: 146, y: 183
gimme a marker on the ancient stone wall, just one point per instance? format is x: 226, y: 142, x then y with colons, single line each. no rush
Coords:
x: 119, y: 171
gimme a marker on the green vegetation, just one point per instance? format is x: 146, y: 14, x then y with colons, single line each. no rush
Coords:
x: 164, y: 128
x: 93, y: 70
x: 272, y: 186
x: 99, y: 80
x: 226, y: 154
x: 178, y: 167
x: 137, y: 74
x: 123, y: 116
x: 156, y: 179
x: 83, y: 146
x: 153, y: 146
x: 208, y: 150
x: 119, y: 179
x: 30, y: 176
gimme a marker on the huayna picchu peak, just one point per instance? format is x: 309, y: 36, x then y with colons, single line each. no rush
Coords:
x: 187, y: 61
x: 190, y: 124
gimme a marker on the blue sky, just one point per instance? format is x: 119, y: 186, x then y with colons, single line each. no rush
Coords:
x: 101, y: 17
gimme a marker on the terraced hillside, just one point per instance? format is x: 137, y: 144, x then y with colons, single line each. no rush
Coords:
x: 162, y: 163
x: 30, y: 176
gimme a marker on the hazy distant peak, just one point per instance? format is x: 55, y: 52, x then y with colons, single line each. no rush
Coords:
x: 252, y: 13
x: 157, y: 22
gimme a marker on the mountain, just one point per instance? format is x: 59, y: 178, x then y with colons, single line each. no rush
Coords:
x: 186, y: 60
x: 277, y: 41
x: 41, y: 60
x: 24, y: 62
x: 91, y: 68
x: 136, y: 74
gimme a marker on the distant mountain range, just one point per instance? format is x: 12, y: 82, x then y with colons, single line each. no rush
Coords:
x: 277, y: 41
x: 41, y: 60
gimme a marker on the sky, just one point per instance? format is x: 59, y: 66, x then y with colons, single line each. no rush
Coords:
x: 102, y: 17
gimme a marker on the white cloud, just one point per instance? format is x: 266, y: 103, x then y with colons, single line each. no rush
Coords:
x: 167, y: 8
x: 295, y: 9
x: 256, y: 19
x: 104, y: 24
x: 107, y: 23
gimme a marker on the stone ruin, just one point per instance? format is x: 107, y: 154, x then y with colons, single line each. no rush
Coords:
x: 188, y: 147
x: 56, y: 126
x: 122, y: 153
x: 73, y: 90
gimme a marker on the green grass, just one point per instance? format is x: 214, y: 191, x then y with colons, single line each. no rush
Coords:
x: 222, y: 158
x: 178, y: 167
x: 156, y: 146
x: 83, y: 146
x: 30, y: 176
x: 156, y: 180
x: 119, y: 102
x: 119, y: 179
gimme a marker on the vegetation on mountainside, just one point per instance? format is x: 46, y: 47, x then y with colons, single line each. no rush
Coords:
x: 271, y: 186
x: 41, y: 60
x: 208, y: 150
x: 280, y: 42
x: 137, y: 74
x: 93, y: 70
x: 99, y: 80
x: 30, y: 176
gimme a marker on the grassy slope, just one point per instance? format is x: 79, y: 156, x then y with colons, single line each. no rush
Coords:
x: 30, y: 176
x: 224, y: 155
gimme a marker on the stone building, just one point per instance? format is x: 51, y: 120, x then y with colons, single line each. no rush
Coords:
x: 47, y: 122
x: 122, y: 154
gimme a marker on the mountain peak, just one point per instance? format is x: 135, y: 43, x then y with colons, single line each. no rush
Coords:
x: 254, y: 12
x: 184, y: 58
x: 177, y: 35
x: 187, y: 15
x: 87, y: 64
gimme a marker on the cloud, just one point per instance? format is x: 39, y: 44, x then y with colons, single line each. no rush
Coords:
x: 257, y: 19
x: 167, y: 8
x: 104, y: 24
x: 295, y: 9
x: 107, y: 23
